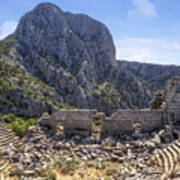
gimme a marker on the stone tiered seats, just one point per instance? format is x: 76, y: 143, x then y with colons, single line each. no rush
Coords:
x: 7, y: 136
x: 5, y: 170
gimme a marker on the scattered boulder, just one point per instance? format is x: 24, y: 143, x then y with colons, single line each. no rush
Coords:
x: 158, y: 101
x: 46, y: 120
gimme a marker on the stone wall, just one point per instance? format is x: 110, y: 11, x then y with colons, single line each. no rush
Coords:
x: 124, y: 121
x: 74, y: 121
x: 173, y: 99
x: 56, y: 119
x: 173, y: 93
x: 78, y: 121
x: 59, y: 117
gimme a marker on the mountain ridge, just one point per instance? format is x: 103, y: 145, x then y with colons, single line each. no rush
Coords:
x: 75, y: 55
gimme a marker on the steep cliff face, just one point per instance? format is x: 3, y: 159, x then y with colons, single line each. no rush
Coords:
x: 68, y: 41
x: 152, y: 76
x: 20, y: 92
x: 68, y: 51
x: 75, y: 55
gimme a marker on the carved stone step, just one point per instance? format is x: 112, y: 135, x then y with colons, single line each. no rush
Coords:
x: 4, y: 166
x: 7, y: 136
x: 5, y: 129
x: 5, y: 169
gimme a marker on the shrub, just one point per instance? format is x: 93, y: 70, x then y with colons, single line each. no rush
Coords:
x: 64, y: 106
x: 17, y: 124
x: 31, y: 122
x: 69, y: 166
x: 52, y: 176
x: 6, y: 44
x: 97, y: 122
x: 8, y: 118
x: 6, y: 102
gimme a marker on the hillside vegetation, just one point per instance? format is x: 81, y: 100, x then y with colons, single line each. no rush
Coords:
x: 65, y: 60
x: 20, y: 92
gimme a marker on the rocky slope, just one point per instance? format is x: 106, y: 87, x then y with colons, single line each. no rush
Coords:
x: 20, y: 92
x: 151, y: 75
x: 42, y: 152
x: 70, y: 52
x: 75, y: 55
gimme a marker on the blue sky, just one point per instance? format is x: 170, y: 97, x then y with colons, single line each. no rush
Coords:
x: 143, y: 30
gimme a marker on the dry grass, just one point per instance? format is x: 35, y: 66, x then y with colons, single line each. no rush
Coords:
x: 96, y: 172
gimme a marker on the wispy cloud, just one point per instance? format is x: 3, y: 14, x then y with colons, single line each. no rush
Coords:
x: 142, y: 8
x: 7, y: 28
x: 134, y: 54
x: 161, y: 51
x: 174, y: 47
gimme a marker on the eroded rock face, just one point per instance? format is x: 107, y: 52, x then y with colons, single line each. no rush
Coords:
x: 66, y: 39
x: 65, y: 50
x: 75, y: 54
x: 47, y: 29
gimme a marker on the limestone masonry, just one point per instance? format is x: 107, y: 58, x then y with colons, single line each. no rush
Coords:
x: 131, y: 120
x: 164, y: 109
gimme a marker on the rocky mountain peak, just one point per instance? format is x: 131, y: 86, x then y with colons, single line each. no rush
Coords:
x: 75, y: 54
x: 66, y: 39
x: 71, y: 52
x: 47, y: 7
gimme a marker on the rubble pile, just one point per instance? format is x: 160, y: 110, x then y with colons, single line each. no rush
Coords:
x: 41, y: 148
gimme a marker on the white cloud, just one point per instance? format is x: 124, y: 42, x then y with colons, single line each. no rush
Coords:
x: 142, y: 8
x: 172, y: 47
x: 7, y: 28
x: 134, y: 53
x: 160, y: 51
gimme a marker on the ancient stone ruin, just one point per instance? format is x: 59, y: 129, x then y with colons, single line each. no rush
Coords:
x: 40, y: 148
x: 173, y: 100
x: 164, y: 109
x: 157, y: 101
x: 124, y: 121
